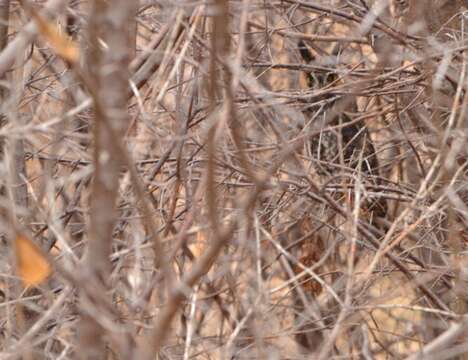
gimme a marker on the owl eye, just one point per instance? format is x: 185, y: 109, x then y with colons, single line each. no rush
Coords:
x: 330, y: 77
x: 311, y: 81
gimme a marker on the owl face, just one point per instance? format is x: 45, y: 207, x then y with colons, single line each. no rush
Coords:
x: 315, y: 80
x: 319, y: 80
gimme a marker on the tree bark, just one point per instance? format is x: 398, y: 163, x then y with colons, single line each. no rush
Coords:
x: 108, y: 79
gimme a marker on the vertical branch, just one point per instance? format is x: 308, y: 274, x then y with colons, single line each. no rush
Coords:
x: 219, y: 47
x: 4, y: 21
x: 17, y: 187
x: 133, y: 30
x: 108, y: 81
x: 109, y: 22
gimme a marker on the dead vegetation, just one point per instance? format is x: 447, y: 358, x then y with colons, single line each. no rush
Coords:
x: 179, y: 182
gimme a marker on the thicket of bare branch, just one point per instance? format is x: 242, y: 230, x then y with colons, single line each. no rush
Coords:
x: 233, y: 179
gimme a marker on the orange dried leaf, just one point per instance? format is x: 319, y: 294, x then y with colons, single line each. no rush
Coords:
x: 60, y: 43
x: 32, y: 266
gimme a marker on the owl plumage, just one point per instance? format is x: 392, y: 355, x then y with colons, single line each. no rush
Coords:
x: 352, y: 139
x: 347, y: 149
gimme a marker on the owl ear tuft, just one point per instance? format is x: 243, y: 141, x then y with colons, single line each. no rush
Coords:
x: 305, y: 52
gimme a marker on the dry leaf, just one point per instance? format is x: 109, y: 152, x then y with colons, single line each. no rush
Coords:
x: 32, y: 266
x: 62, y: 45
